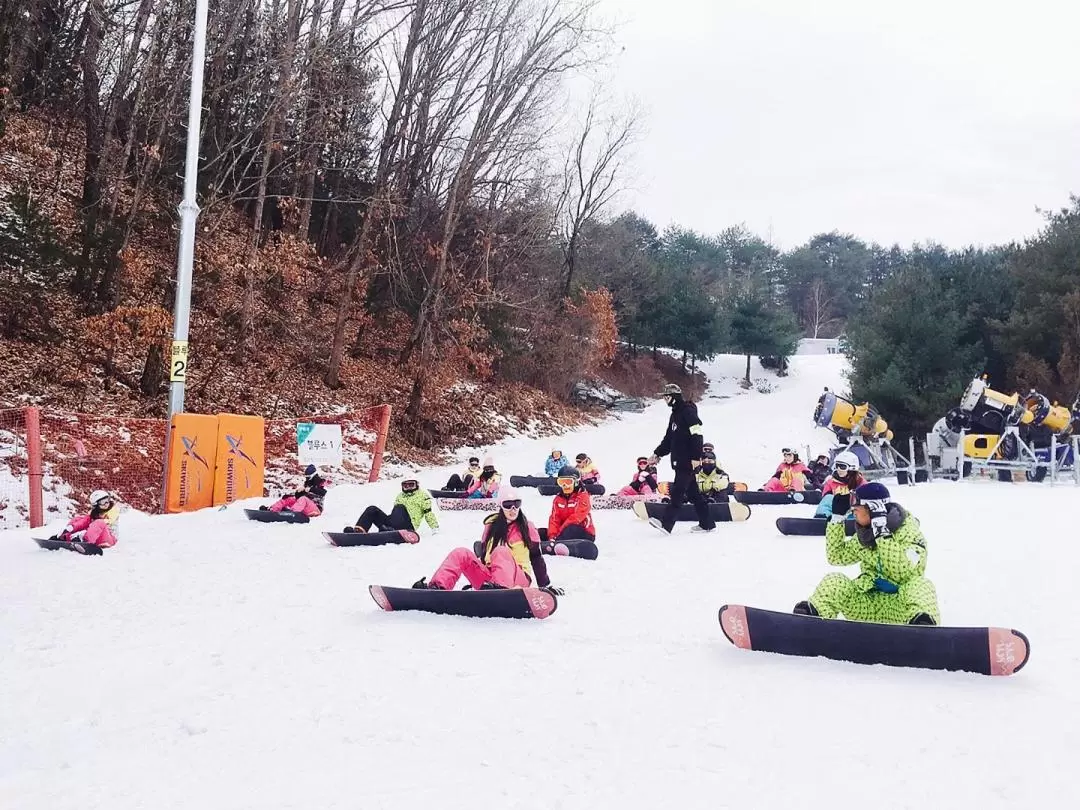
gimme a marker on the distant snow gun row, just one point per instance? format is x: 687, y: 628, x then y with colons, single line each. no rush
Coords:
x: 861, y: 430
x: 1007, y: 435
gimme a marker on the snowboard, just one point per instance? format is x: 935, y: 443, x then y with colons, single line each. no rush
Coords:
x: 721, y: 512
x: 448, y: 493
x: 622, y: 501
x: 812, y: 497
x: 582, y: 549
x: 71, y: 545
x: 469, y: 504
x: 284, y: 516
x: 371, y: 538
x: 809, y: 527
x: 509, y: 603
x: 986, y: 650
x: 551, y: 489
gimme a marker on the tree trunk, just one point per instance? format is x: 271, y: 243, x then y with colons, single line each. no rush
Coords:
x: 153, y: 373
x: 91, y: 192
x: 747, y: 371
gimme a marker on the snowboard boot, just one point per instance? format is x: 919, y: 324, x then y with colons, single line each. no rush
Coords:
x: 423, y: 584
x: 924, y: 619
x: 353, y: 530
x: 491, y: 586
x: 699, y: 529
x: 554, y: 549
x: 804, y: 608
x: 658, y: 524
x: 264, y: 508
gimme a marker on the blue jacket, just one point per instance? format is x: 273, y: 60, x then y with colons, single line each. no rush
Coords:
x: 553, y: 465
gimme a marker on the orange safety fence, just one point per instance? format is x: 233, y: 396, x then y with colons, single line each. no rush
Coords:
x: 48, y: 472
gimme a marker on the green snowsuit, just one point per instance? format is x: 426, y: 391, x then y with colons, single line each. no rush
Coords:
x: 896, y: 561
x: 418, y: 504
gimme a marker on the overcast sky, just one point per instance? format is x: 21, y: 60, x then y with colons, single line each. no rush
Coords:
x: 894, y: 120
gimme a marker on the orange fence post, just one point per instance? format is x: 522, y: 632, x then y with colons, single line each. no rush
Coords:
x: 380, y: 445
x: 33, y: 457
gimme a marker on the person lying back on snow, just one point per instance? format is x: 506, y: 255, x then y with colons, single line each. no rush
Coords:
x: 461, y: 483
x: 644, y: 481
x: 554, y: 463
x: 95, y: 528
x: 890, y: 549
x: 308, y: 499
x: 486, y: 484
x: 411, y: 507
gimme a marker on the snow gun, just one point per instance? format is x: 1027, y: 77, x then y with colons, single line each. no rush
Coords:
x: 846, y: 419
x: 1057, y: 419
x: 985, y: 411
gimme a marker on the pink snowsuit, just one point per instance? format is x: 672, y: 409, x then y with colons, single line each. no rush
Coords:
x: 792, y: 477
x: 304, y: 505
x: 95, y: 531
x: 503, y: 569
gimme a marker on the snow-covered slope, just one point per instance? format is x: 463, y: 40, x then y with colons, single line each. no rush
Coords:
x: 214, y: 663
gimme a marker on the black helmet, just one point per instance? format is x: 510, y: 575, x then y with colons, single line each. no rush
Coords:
x: 570, y: 472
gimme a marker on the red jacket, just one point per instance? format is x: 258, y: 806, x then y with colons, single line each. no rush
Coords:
x: 575, y: 508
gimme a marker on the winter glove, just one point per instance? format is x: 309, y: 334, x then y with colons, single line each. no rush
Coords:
x: 554, y: 591
x: 841, y: 503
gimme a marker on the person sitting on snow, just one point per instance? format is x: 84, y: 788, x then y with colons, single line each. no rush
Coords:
x: 510, y: 555
x: 411, y: 507
x: 571, y: 509
x: 308, y: 500
x: 845, y: 479
x: 587, y: 470
x: 790, y: 476
x: 97, y: 527
x: 486, y: 484
x: 713, y: 481
x: 554, y: 463
x: 461, y: 483
x: 890, y: 549
x: 818, y: 472
x: 644, y: 481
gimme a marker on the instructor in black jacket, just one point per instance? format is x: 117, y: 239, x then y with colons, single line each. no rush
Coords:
x: 683, y: 440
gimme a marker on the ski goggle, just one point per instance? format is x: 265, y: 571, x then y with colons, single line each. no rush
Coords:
x: 643, y: 462
x: 410, y: 486
x: 508, y: 505
x: 841, y: 467
x: 565, y: 481
x: 579, y: 459
x: 475, y: 462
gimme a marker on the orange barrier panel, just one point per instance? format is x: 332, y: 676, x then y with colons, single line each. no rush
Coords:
x: 191, y: 462
x: 240, y: 459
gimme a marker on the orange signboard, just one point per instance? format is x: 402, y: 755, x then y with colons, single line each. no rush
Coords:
x: 190, y: 483
x: 239, y: 458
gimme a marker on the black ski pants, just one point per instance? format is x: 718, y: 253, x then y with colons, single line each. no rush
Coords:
x: 684, y: 488
x: 397, y: 519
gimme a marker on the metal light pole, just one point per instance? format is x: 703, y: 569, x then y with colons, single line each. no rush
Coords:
x: 189, y: 212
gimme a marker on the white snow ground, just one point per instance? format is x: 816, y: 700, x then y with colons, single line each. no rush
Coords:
x: 209, y: 662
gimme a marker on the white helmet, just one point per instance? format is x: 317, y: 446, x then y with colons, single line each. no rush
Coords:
x: 99, y: 495
x: 847, y: 457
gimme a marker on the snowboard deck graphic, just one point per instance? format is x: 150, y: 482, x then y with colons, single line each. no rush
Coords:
x: 812, y: 497
x: 469, y: 504
x: 721, y: 512
x: 985, y: 650
x: 346, y: 539
x: 284, y: 516
x: 510, y: 603
x: 809, y: 527
x: 550, y: 489
x: 79, y: 547
x: 622, y: 501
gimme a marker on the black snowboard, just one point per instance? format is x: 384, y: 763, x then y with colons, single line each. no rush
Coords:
x: 448, y: 493
x: 370, y: 538
x: 809, y: 527
x: 531, y: 480
x: 549, y: 490
x: 284, y: 516
x: 582, y: 549
x: 721, y: 512
x: 773, y: 498
x: 509, y: 603
x: 70, y: 545
x: 987, y: 650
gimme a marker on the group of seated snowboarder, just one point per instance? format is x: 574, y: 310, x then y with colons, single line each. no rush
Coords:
x: 793, y: 476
